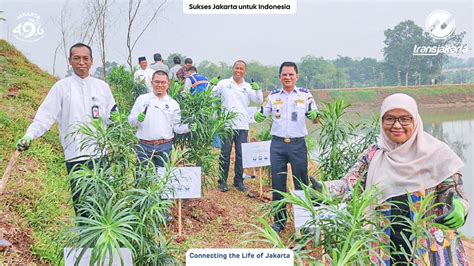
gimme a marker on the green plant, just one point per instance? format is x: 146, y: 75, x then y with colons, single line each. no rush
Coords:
x: 340, y: 142
x: 121, y: 201
x: 206, y: 111
x: 342, y: 235
x: 124, y: 88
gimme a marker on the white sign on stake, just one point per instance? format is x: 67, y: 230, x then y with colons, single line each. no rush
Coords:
x: 185, y: 183
x: 71, y: 255
x: 251, y: 110
x: 302, y: 215
x: 256, y: 154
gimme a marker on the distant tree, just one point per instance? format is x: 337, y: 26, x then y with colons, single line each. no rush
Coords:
x: 400, y: 63
x: 99, y: 71
x: 315, y: 72
x: 211, y: 70
x: 266, y: 76
x: 139, y: 20
x: 169, y: 59
x: 2, y: 18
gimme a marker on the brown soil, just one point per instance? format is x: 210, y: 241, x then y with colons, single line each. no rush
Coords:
x: 20, y: 238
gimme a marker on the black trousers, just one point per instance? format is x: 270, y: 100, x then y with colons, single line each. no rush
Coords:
x: 72, y: 167
x: 282, y: 153
x: 239, y: 137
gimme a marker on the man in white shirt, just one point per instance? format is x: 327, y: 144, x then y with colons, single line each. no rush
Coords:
x: 159, y: 65
x: 236, y: 95
x: 174, y: 70
x: 76, y: 99
x: 144, y: 73
x: 157, y: 117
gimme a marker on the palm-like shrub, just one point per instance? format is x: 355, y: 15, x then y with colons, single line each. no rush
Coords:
x: 340, y: 142
x: 121, y: 201
x: 205, y: 111
x: 124, y: 88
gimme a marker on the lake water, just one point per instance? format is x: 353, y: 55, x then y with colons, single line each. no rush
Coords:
x: 455, y: 126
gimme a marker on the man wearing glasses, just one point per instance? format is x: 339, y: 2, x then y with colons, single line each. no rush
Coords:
x: 157, y: 117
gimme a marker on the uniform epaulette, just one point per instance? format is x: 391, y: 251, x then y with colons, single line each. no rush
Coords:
x: 305, y: 90
x: 275, y: 91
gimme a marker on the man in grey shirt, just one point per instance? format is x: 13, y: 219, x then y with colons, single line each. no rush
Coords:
x: 175, y: 68
x: 159, y: 65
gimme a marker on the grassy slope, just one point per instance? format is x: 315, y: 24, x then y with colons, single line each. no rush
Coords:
x: 37, y: 194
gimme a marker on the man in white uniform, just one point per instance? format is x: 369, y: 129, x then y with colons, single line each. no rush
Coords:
x: 236, y: 95
x: 157, y: 117
x: 144, y: 73
x: 76, y: 99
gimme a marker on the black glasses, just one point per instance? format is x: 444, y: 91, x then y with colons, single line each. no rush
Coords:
x: 391, y: 120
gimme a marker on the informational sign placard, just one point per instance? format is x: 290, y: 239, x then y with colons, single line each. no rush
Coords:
x: 185, y: 183
x: 72, y: 254
x: 302, y: 215
x: 251, y: 110
x: 256, y: 154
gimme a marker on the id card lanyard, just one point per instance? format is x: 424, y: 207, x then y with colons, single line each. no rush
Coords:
x: 95, y: 109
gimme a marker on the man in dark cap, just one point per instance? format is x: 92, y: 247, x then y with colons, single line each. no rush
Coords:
x: 144, y: 73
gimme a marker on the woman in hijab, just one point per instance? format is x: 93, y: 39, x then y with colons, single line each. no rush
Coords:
x: 408, y: 161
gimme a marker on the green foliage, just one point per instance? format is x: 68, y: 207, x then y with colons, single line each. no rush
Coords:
x: 122, y: 201
x: 206, y: 111
x: 346, y: 234
x: 124, y: 88
x: 340, y: 142
x: 401, y: 66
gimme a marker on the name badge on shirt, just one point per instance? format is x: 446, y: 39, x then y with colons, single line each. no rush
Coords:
x: 95, y: 111
x: 294, y: 116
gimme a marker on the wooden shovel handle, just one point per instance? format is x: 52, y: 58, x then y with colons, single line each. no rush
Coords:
x: 8, y: 171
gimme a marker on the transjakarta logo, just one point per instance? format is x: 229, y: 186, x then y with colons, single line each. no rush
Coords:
x: 440, y: 24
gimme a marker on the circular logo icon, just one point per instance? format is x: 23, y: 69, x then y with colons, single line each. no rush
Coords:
x: 29, y: 28
x: 440, y: 24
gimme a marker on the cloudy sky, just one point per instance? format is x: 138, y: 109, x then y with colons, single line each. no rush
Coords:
x: 319, y: 28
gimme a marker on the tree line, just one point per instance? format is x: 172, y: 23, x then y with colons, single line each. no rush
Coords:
x: 399, y: 67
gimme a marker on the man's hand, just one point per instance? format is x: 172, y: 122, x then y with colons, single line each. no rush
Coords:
x: 259, y: 117
x: 312, y: 115
x: 254, y: 85
x: 141, y: 117
x: 23, y: 144
x: 214, y: 81
x: 455, y: 217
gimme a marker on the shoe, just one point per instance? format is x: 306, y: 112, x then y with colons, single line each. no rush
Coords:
x: 240, y: 187
x: 223, y: 187
x: 277, y: 227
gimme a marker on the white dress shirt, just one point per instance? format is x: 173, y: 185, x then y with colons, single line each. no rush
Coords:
x: 236, y: 98
x: 69, y: 103
x: 292, y: 109
x: 163, y: 117
x: 144, y: 75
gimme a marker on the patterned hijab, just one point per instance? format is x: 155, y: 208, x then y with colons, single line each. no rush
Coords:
x: 420, y: 163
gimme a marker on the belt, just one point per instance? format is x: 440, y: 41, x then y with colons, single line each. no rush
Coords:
x: 287, y: 140
x: 156, y: 142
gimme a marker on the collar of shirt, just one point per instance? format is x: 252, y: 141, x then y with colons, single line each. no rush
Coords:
x: 152, y: 96
x: 295, y: 90
x: 232, y: 80
x: 81, y: 80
